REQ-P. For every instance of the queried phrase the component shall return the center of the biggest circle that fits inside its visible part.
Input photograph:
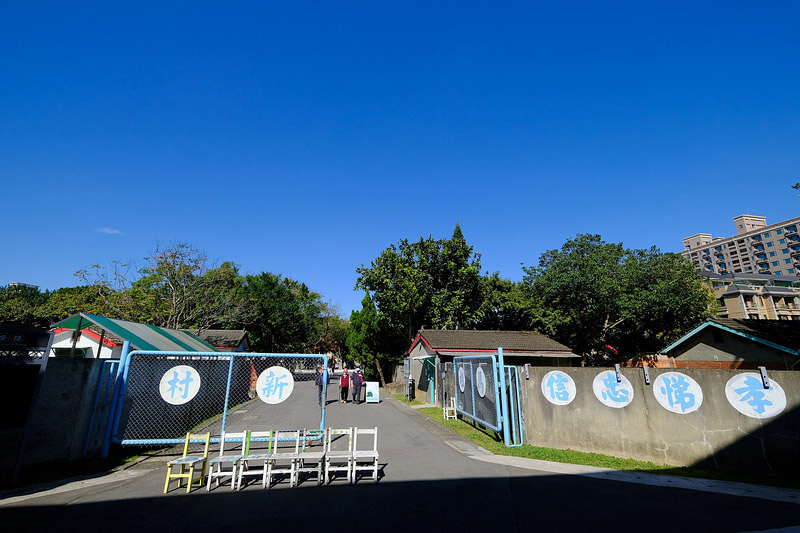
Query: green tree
(332, 332)
(505, 306)
(364, 339)
(602, 300)
(434, 283)
(281, 315)
(22, 307)
(67, 301)
(176, 289)
(457, 292)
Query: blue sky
(304, 138)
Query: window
(782, 241)
(788, 261)
(772, 254)
(774, 263)
(777, 272)
(769, 245)
(790, 271)
(779, 231)
(766, 235)
(785, 251)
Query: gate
(476, 390)
(488, 395)
(160, 396)
(514, 403)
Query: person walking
(358, 379)
(344, 386)
(320, 379)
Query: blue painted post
(111, 423)
(519, 409)
(503, 400)
(472, 389)
(227, 395)
(325, 391)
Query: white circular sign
(611, 392)
(179, 384)
(558, 387)
(746, 393)
(480, 381)
(462, 379)
(274, 385)
(677, 392)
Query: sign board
(372, 392)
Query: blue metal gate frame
(473, 414)
(121, 380)
(508, 413)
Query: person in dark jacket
(320, 379)
(358, 380)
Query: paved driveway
(431, 480)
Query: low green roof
(141, 336)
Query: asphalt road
(431, 480)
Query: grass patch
(402, 398)
(491, 441)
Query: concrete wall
(716, 435)
(60, 420)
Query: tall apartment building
(759, 296)
(755, 249)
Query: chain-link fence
(168, 394)
(476, 389)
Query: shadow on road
(497, 504)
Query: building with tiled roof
(736, 343)
(226, 340)
(99, 337)
(433, 350)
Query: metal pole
(75, 335)
(324, 391)
(503, 399)
(115, 399)
(227, 395)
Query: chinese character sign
(275, 385)
(480, 381)
(678, 393)
(558, 387)
(746, 393)
(179, 385)
(610, 392)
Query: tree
(333, 332)
(22, 307)
(434, 283)
(364, 340)
(67, 301)
(282, 315)
(176, 289)
(601, 299)
(505, 306)
(457, 285)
